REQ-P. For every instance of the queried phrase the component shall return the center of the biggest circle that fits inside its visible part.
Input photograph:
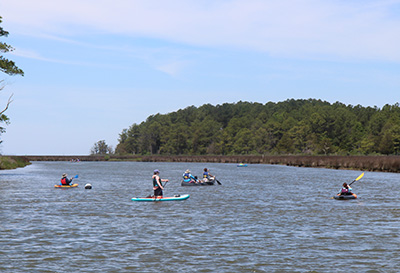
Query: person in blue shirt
(207, 176)
(189, 178)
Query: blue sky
(93, 68)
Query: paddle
(358, 178)
(219, 183)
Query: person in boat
(65, 181)
(346, 190)
(189, 178)
(207, 176)
(157, 185)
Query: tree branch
(8, 104)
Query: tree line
(307, 127)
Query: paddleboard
(152, 199)
(66, 187)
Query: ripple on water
(262, 219)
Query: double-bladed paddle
(358, 178)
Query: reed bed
(365, 163)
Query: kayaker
(207, 176)
(157, 185)
(346, 190)
(65, 181)
(189, 178)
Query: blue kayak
(152, 199)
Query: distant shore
(365, 163)
(13, 162)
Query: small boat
(242, 165)
(345, 196)
(66, 186)
(159, 199)
(201, 183)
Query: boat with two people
(208, 179)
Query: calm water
(263, 218)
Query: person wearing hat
(157, 185)
(189, 178)
(65, 181)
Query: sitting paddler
(189, 178)
(157, 185)
(65, 181)
(207, 176)
(346, 190)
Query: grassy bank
(365, 163)
(13, 162)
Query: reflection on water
(263, 218)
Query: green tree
(8, 67)
(101, 148)
(293, 126)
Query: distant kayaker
(65, 181)
(189, 178)
(346, 190)
(157, 185)
(207, 176)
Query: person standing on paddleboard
(157, 186)
(65, 181)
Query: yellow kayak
(65, 186)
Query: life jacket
(344, 190)
(64, 181)
(186, 176)
(155, 184)
(205, 175)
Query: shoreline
(364, 163)
(13, 162)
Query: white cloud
(302, 28)
(172, 68)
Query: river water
(263, 218)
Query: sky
(95, 67)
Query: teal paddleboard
(152, 199)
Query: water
(264, 218)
